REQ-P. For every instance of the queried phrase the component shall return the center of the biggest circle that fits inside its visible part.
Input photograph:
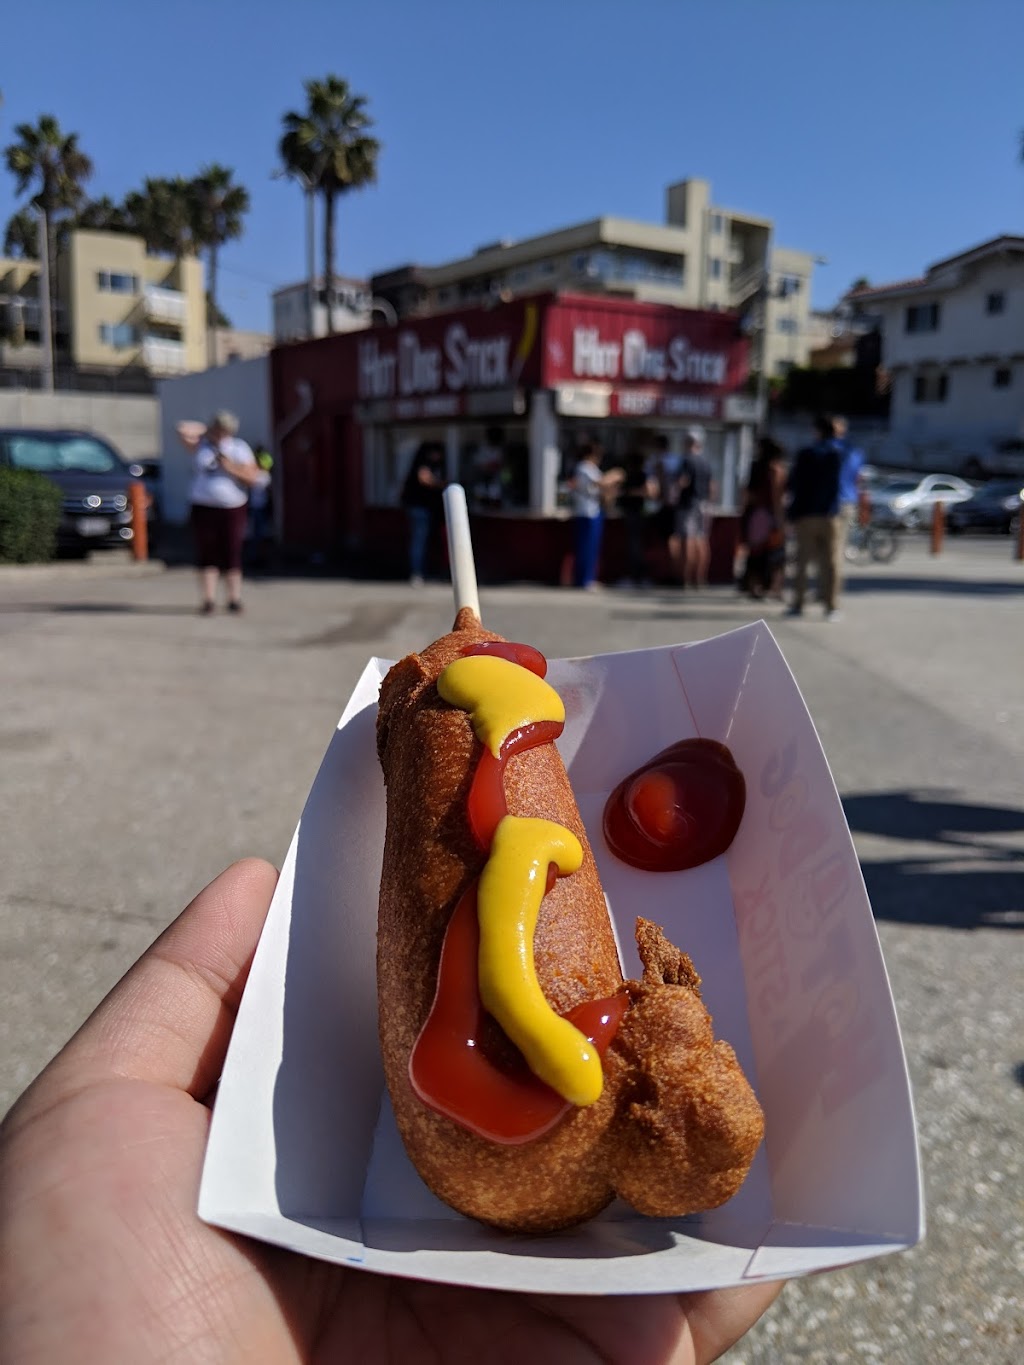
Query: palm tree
(51, 160)
(102, 215)
(328, 149)
(220, 206)
(164, 213)
(21, 238)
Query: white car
(908, 502)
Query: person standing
(814, 486)
(849, 479)
(637, 488)
(693, 511)
(666, 473)
(589, 486)
(260, 509)
(763, 522)
(421, 498)
(223, 471)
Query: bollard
(1020, 534)
(938, 526)
(137, 500)
(863, 508)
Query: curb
(79, 571)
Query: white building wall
(968, 347)
(130, 422)
(243, 388)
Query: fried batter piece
(676, 1126)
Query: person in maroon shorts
(223, 470)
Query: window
(111, 282)
(716, 223)
(119, 334)
(930, 388)
(786, 325)
(995, 303)
(715, 268)
(922, 317)
(60, 454)
(1002, 377)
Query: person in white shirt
(589, 486)
(223, 470)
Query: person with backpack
(817, 517)
(696, 491)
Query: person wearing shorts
(223, 470)
(693, 519)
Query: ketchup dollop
(450, 1069)
(490, 1090)
(681, 809)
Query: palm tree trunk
(329, 257)
(46, 311)
(211, 309)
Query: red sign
(455, 354)
(663, 350)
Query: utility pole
(762, 363)
(45, 321)
(311, 257)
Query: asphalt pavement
(142, 748)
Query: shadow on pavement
(970, 882)
(98, 609)
(938, 587)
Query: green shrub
(30, 507)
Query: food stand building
(509, 390)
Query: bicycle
(872, 541)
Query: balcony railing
(164, 357)
(164, 305)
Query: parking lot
(142, 748)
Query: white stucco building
(953, 345)
(350, 308)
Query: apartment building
(121, 313)
(953, 346)
(703, 256)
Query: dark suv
(90, 474)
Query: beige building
(231, 344)
(703, 256)
(120, 310)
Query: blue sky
(882, 134)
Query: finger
(169, 1019)
(719, 1317)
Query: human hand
(103, 1258)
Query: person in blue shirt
(849, 470)
(815, 511)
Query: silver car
(908, 502)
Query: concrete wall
(129, 422)
(243, 387)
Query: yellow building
(120, 310)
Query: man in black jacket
(815, 513)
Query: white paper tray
(303, 1150)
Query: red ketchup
(450, 1069)
(681, 809)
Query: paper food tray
(303, 1149)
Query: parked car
(909, 502)
(91, 475)
(993, 507)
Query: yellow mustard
(509, 897)
(501, 697)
